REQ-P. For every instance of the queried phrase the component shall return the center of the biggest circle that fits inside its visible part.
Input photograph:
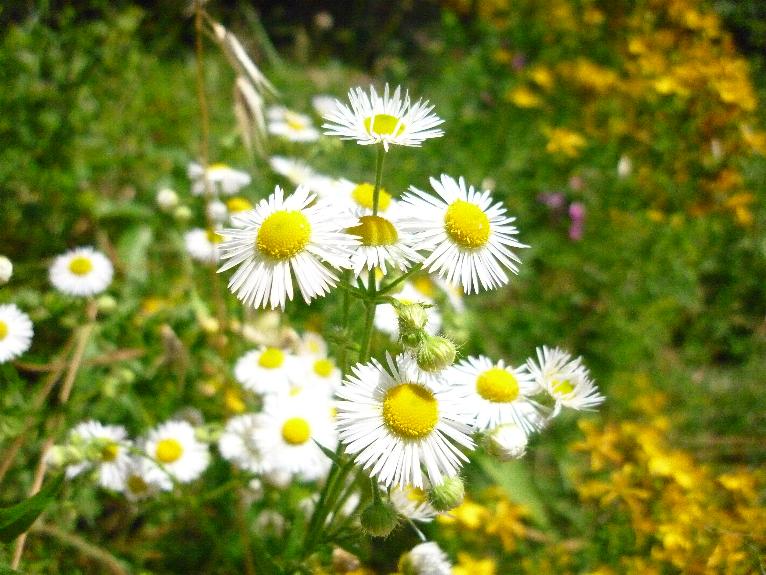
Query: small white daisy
(237, 442)
(265, 371)
(287, 435)
(313, 344)
(323, 104)
(497, 393)
(387, 321)
(81, 272)
(291, 125)
(107, 450)
(412, 503)
(382, 242)
(15, 332)
(425, 559)
(394, 424)
(286, 237)
(296, 171)
(358, 198)
(140, 483)
(202, 245)
(388, 120)
(314, 375)
(565, 378)
(173, 445)
(222, 179)
(507, 441)
(468, 236)
(237, 205)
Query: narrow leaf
(16, 519)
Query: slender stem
(391, 285)
(79, 352)
(343, 347)
(244, 532)
(378, 178)
(109, 561)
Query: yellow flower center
(562, 386)
(271, 358)
(424, 285)
(213, 237)
(3, 330)
(80, 266)
(295, 122)
(416, 494)
(168, 450)
(363, 193)
(323, 367)
(384, 125)
(136, 484)
(296, 431)
(217, 167)
(410, 411)
(283, 234)
(110, 451)
(238, 204)
(497, 385)
(375, 231)
(466, 224)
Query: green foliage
(16, 519)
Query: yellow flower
(468, 515)
(523, 97)
(542, 76)
(566, 142)
(467, 565)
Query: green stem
(378, 178)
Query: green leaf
(329, 453)
(5, 570)
(16, 519)
(515, 479)
(10, 375)
(133, 248)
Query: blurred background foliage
(645, 113)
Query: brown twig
(79, 351)
(105, 359)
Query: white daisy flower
(565, 378)
(81, 272)
(237, 442)
(291, 125)
(412, 503)
(358, 198)
(323, 104)
(285, 237)
(393, 423)
(296, 171)
(314, 375)
(468, 236)
(313, 344)
(287, 435)
(107, 450)
(507, 441)
(222, 179)
(140, 483)
(497, 393)
(237, 205)
(425, 559)
(265, 371)
(388, 120)
(382, 243)
(6, 270)
(387, 321)
(15, 332)
(173, 445)
(202, 245)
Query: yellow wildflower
(468, 565)
(566, 142)
(523, 97)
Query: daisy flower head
(282, 238)
(202, 245)
(15, 332)
(315, 375)
(288, 432)
(237, 442)
(140, 483)
(412, 503)
(358, 198)
(177, 452)
(296, 171)
(236, 205)
(387, 320)
(382, 242)
(265, 371)
(387, 120)
(106, 449)
(425, 559)
(221, 178)
(497, 393)
(81, 272)
(395, 424)
(565, 379)
(313, 344)
(469, 238)
(291, 125)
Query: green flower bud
(379, 519)
(435, 353)
(182, 213)
(412, 321)
(106, 303)
(448, 495)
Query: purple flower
(577, 215)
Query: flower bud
(379, 519)
(106, 303)
(167, 199)
(507, 442)
(435, 353)
(447, 495)
(217, 211)
(182, 213)
(412, 321)
(6, 270)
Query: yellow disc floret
(271, 358)
(80, 266)
(497, 385)
(410, 411)
(296, 431)
(136, 484)
(110, 451)
(384, 125)
(466, 224)
(562, 386)
(3, 330)
(375, 231)
(323, 367)
(168, 450)
(283, 234)
(213, 237)
(363, 195)
(238, 204)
